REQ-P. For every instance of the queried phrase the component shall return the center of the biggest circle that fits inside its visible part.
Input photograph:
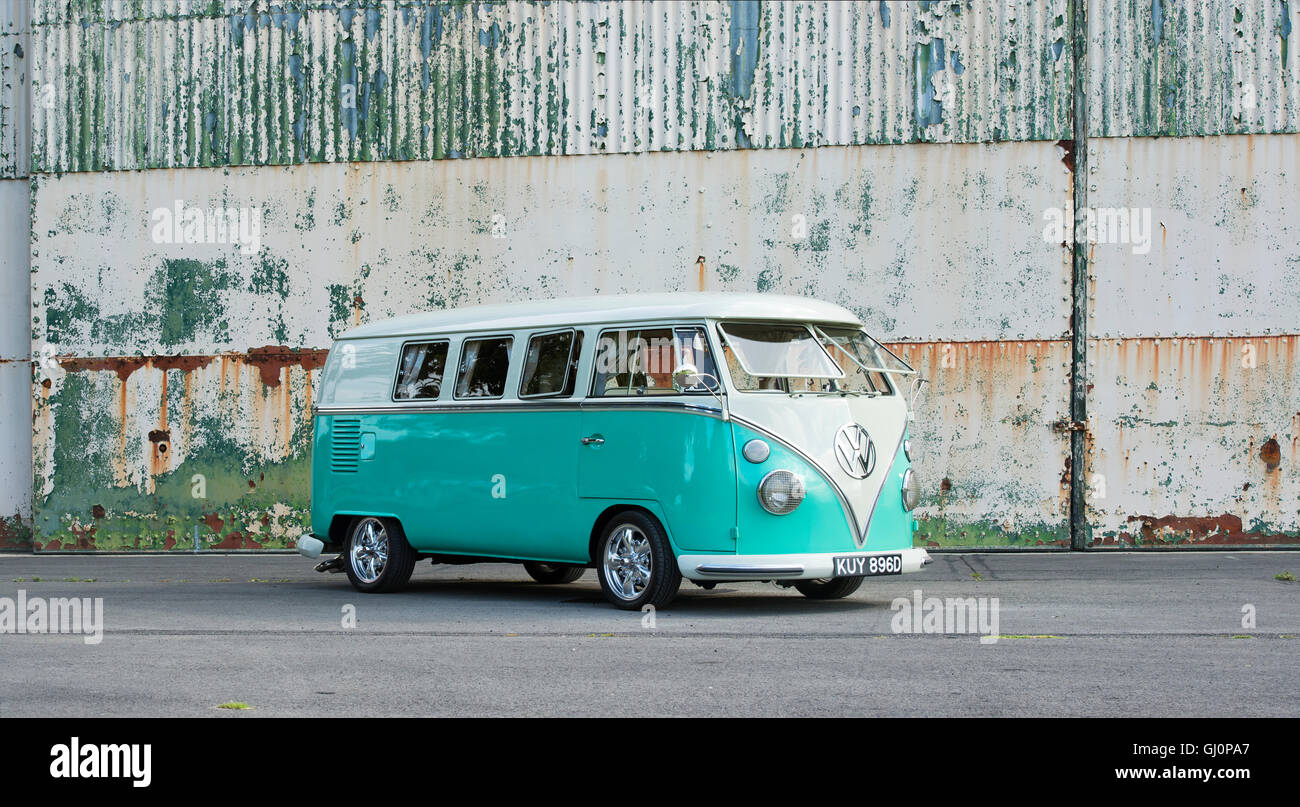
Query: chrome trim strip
(860, 540)
(548, 405)
(635, 402)
(753, 569)
(415, 408)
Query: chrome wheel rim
(628, 562)
(369, 553)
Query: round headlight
(911, 489)
(780, 492)
(756, 450)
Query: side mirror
(685, 377)
(688, 376)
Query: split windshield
(795, 358)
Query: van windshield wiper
(840, 392)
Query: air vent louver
(346, 448)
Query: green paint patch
(192, 300)
(941, 531)
(15, 534)
(1285, 576)
(234, 497)
(1241, 636)
(238, 706)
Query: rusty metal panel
(898, 235)
(182, 84)
(1210, 67)
(15, 101)
(194, 452)
(1194, 445)
(1195, 403)
(995, 472)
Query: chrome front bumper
(808, 566)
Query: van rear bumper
(807, 566)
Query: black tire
(363, 542)
(829, 588)
(553, 573)
(664, 578)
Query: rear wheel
(635, 563)
(377, 557)
(553, 572)
(828, 588)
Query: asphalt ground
(1100, 633)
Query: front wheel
(554, 573)
(636, 565)
(377, 557)
(828, 588)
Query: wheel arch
(341, 526)
(607, 515)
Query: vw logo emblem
(855, 451)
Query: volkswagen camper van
(709, 437)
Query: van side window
(693, 348)
(641, 362)
(572, 383)
(419, 374)
(483, 367)
(550, 365)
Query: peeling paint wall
(992, 465)
(1165, 68)
(1196, 400)
(916, 147)
(159, 339)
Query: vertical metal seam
(1079, 281)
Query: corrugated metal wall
(919, 142)
(171, 84)
(1165, 68)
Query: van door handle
(594, 440)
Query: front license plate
(860, 566)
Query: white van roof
(609, 308)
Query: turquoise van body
(539, 478)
